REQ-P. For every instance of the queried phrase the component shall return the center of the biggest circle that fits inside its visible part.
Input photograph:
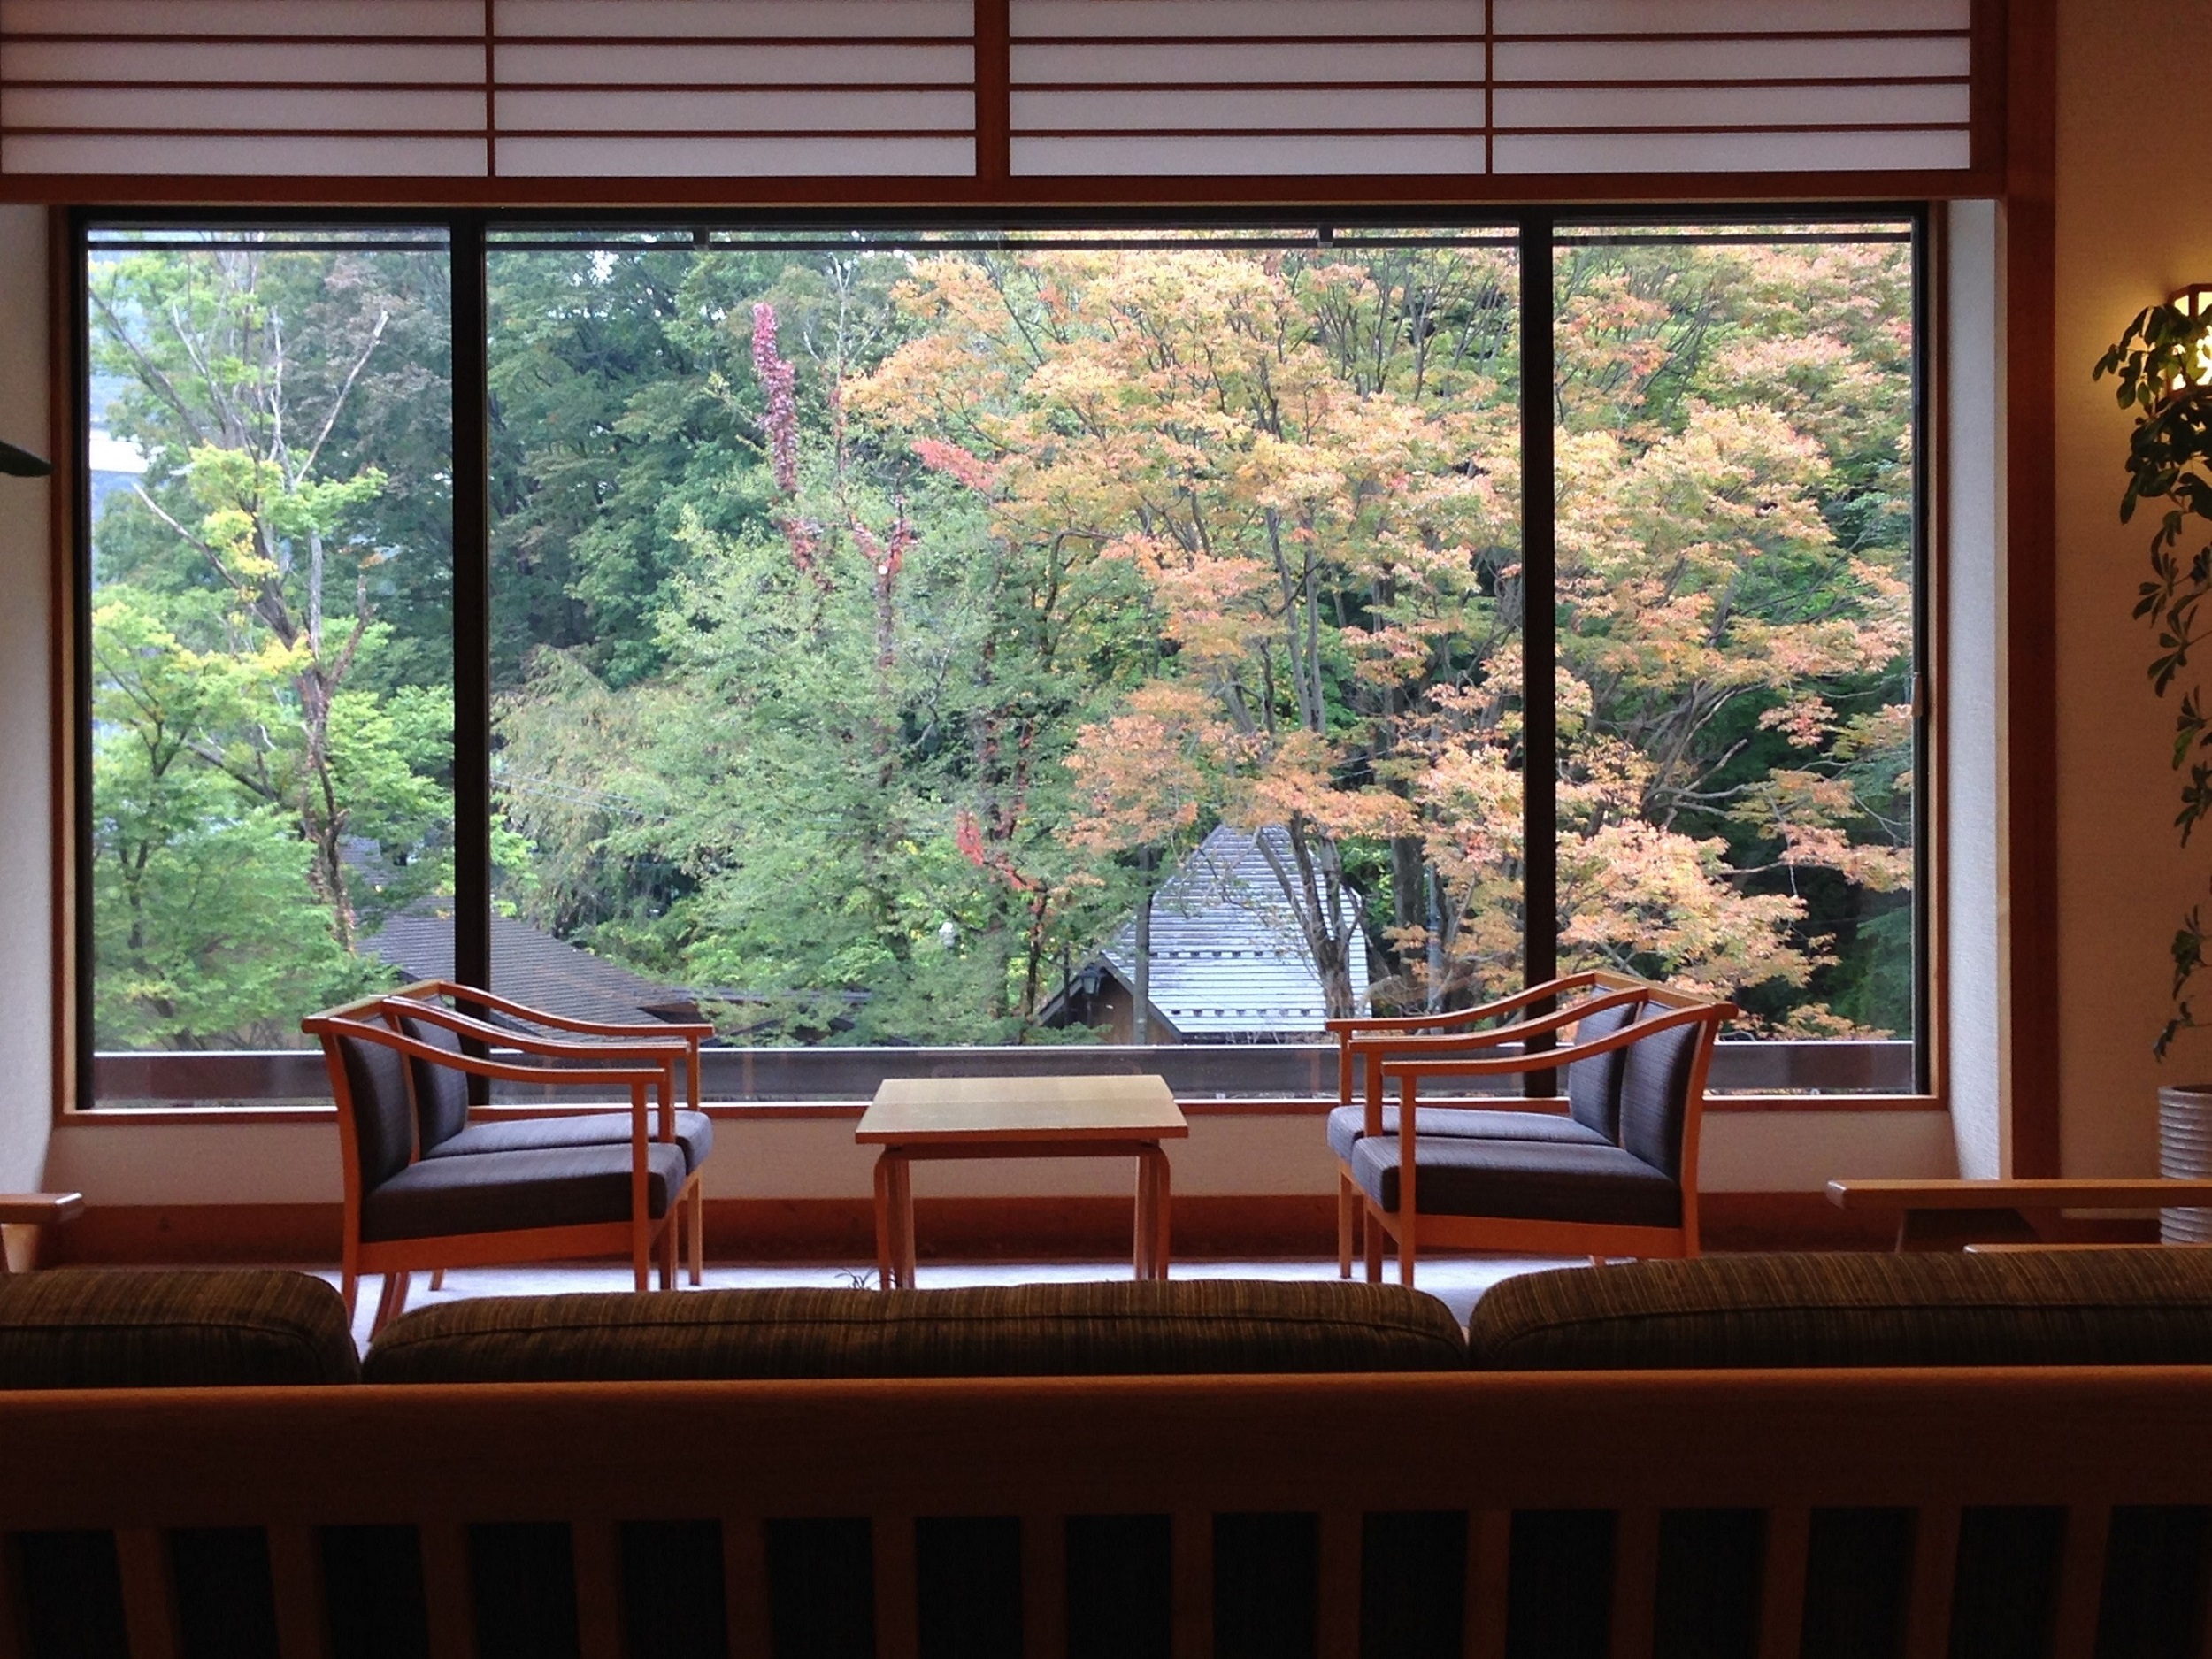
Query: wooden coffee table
(1019, 1118)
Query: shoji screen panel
(746, 88)
(242, 86)
(1246, 86)
(989, 100)
(1730, 86)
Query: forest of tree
(873, 628)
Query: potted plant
(2162, 365)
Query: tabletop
(909, 1109)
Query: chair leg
(669, 1227)
(1406, 1224)
(437, 1279)
(641, 1253)
(1348, 1197)
(350, 1287)
(698, 1231)
(1371, 1228)
(392, 1302)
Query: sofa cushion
(441, 1092)
(695, 1133)
(1523, 1181)
(2147, 1307)
(1347, 1123)
(383, 1125)
(1593, 1086)
(1123, 1327)
(501, 1192)
(1656, 1095)
(87, 1327)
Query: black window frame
(1536, 228)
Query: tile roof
(1228, 957)
(534, 967)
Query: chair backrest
(1657, 1073)
(441, 1092)
(381, 1119)
(1593, 1086)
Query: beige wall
(295, 1164)
(2134, 223)
(25, 799)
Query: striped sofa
(1760, 1455)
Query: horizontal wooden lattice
(1013, 90)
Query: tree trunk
(1141, 1017)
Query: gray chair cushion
(501, 1192)
(88, 1327)
(1121, 1327)
(1593, 1086)
(383, 1126)
(442, 1093)
(1348, 1123)
(2147, 1307)
(695, 1133)
(1654, 1096)
(1523, 1181)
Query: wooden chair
(1634, 1196)
(429, 1011)
(1585, 1116)
(403, 1211)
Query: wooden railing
(2056, 1512)
(1194, 1071)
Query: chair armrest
(643, 1047)
(1491, 1039)
(691, 1030)
(1549, 1059)
(1344, 1028)
(384, 1036)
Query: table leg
(1160, 1207)
(1141, 1251)
(883, 1219)
(903, 1216)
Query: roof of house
(532, 966)
(1228, 957)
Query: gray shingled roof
(534, 967)
(1228, 958)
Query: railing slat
(1193, 1591)
(447, 1600)
(1782, 1582)
(149, 1601)
(897, 1632)
(1635, 1582)
(1935, 1562)
(596, 1553)
(296, 1576)
(1044, 1586)
(745, 1586)
(1338, 1593)
(2080, 1577)
(14, 1642)
(1489, 1559)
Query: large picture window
(1067, 635)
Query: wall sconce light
(2195, 303)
